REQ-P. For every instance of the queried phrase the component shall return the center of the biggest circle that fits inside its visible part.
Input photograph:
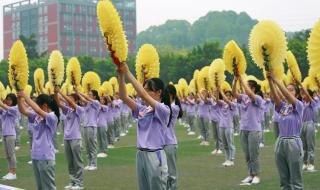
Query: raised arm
(247, 90)
(225, 97)
(22, 106)
(123, 91)
(287, 95)
(32, 104)
(4, 106)
(305, 91)
(234, 88)
(273, 91)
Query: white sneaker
(214, 152)
(236, 134)
(130, 126)
(261, 145)
(229, 163)
(0, 140)
(56, 151)
(102, 155)
(62, 144)
(127, 131)
(68, 186)
(58, 133)
(219, 151)
(191, 133)
(247, 179)
(225, 163)
(310, 168)
(200, 137)
(17, 148)
(30, 162)
(122, 134)
(20, 127)
(111, 146)
(77, 187)
(304, 167)
(188, 129)
(86, 168)
(92, 168)
(9, 176)
(255, 180)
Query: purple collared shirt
(204, 109)
(250, 113)
(9, 119)
(226, 113)
(103, 116)
(91, 114)
(309, 111)
(152, 125)
(170, 136)
(72, 122)
(43, 130)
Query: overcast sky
(292, 15)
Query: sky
(292, 15)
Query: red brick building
(68, 25)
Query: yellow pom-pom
(131, 91)
(56, 68)
(106, 89)
(251, 77)
(114, 84)
(49, 88)
(233, 56)
(147, 63)
(90, 81)
(265, 88)
(313, 48)
(192, 87)
(225, 86)
(267, 44)
(112, 29)
(294, 71)
(310, 83)
(8, 90)
(38, 79)
(28, 90)
(18, 66)
(216, 73)
(196, 77)
(3, 92)
(184, 87)
(74, 71)
(203, 79)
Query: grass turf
(198, 170)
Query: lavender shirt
(152, 124)
(204, 109)
(290, 119)
(72, 129)
(226, 114)
(170, 136)
(214, 114)
(250, 119)
(91, 114)
(102, 118)
(43, 131)
(309, 111)
(9, 119)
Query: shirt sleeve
(79, 111)
(135, 112)
(51, 120)
(299, 107)
(96, 104)
(162, 112)
(13, 111)
(31, 117)
(278, 108)
(259, 102)
(66, 110)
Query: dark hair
(297, 89)
(256, 86)
(111, 98)
(13, 98)
(311, 93)
(173, 92)
(105, 99)
(50, 101)
(155, 84)
(96, 95)
(76, 98)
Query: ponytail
(173, 92)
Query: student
(250, 125)
(92, 108)
(191, 112)
(111, 125)
(45, 118)
(214, 122)
(227, 109)
(204, 104)
(103, 127)
(288, 150)
(72, 137)
(9, 115)
(153, 120)
(171, 143)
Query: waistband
(149, 150)
(292, 137)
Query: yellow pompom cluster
(216, 73)
(112, 29)
(18, 73)
(90, 81)
(251, 77)
(233, 56)
(147, 63)
(114, 84)
(268, 47)
(74, 71)
(38, 79)
(183, 87)
(313, 50)
(225, 86)
(310, 83)
(130, 90)
(293, 73)
(28, 90)
(67, 88)
(3, 92)
(192, 87)
(56, 68)
(196, 77)
(106, 89)
(49, 88)
(265, 88)
(203, 79)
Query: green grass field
(198, 169)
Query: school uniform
(72, 144)
(191, 112)
(152, 168)
(288, 150)
(111, 126)
(42, 154)
(204, 117)
(214, 123)
(102, 129)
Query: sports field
(198, 169)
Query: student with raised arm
(103, 127)
(9, 114)
(204, 115)
(153, 120)
(288, 150)
(92, 108)
(251, 105)
(72, 137)
(44, 118)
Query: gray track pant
(250, 145)
(216, 135)
(191, 121)
(228, 142)
(44, 171)
(204, 128)
(111, 133)
(288, 155)
(152, 170)
(75, 163)
(102, 139)
(9, 144)
(308, 137)
(171, 153)
(90, 138)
